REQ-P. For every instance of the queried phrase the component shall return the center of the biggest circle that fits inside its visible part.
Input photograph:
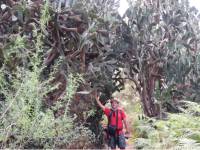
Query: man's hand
(98, 101)
(97, 96)
(127, 134)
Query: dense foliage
(54, 54)
(47, 48)
(179, 131)
(162, 56)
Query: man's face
(114, 104)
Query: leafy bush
(26, 122)
(180, 131)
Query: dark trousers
(118, 140)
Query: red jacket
(121, 117)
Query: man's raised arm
(98, 102)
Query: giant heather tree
(163, 49)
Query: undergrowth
(179, 131)
(26, 122)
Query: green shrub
(180, 131)
(26, 122)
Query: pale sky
(195, 3)
(124, 5)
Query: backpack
(112, 128)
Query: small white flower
(14, 18)
(3, 6)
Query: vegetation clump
(180, 131)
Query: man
(116, 119)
